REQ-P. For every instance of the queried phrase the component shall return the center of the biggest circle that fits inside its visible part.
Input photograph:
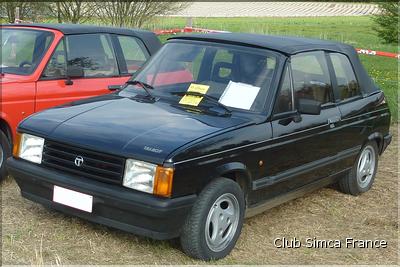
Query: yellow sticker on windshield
(193, 100)
(199, 88)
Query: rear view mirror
(309, 106)
(75, 71)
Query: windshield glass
(237, 77)
(22, 49)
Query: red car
(45, 65)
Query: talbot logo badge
(79, 161)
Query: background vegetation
(388, 21)
(113, 12)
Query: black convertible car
(214, 128)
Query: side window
(94, 53)
(346, 79)
(134, 52)
(311, 78)
(56, 67)
(283, 101)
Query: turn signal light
(17, 145)
(163, 181)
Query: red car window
(134, 52)
(166, 78)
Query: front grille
(96, 165)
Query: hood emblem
(78, 161)
(152, 149)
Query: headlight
(147, 177)
(30, 148)
(139, 175)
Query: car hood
(125, 127)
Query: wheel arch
(378, 138)
(238, 172)
(6, 129)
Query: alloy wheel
(366, 166)
(222, 222)
(1, 156)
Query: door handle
(114, 87)
(333, 120)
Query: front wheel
(215, 222)
(5, 152)
(362, 175)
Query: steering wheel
(25, 62)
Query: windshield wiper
(210, 98)
(145, 87)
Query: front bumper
(113, 205)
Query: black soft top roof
(285, 44)
(288, 45)
(149, 38)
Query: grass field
(356, 31)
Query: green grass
(356, 31)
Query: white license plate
(73, 199)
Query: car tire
(220, 203)
(5, 153)
(362, 175)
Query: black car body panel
(315, 152)
(272, 156)
(95, 125)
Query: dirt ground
(32, 234)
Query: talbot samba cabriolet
(252, 121)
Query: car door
(354, 108)
(304, 147)
(94, 55)
(21, 53)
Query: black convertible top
(149, 38)
(288, 45)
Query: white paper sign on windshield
(239, 95)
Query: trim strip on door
(259, 208)
(285, 175)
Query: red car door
(24, 52)
(93, 60)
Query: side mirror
(309, 106)
(75, 71)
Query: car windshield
(22, 49)
(237, 77)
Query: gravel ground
(32, 234)
(275, 9)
